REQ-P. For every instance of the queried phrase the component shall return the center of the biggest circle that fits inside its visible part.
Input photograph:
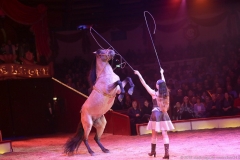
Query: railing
(69, 87)
(200, 123)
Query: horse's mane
(92, 74)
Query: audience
(204, 80)
(176, 111)
(199, 109)
(186, 110)
(74, 73)
(227, 105)
(134, 113)
(213, 107)
(146, 111)
(201, 81)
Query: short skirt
(159, 121)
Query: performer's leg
(100, 124)
(166, 144)
(153, 143)
(87, 126)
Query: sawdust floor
(202, 144)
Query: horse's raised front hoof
(105, 150)
(130, 91)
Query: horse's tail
(74, 142)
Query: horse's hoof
(105, 150)
(92, 153)
(70, 154)
(130, 91)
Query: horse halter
(106, 53)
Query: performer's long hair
(163, 94)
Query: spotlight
(83, 27)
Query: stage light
(177, 1)
(54, 98)
(83, 27)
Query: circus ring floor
(200, 144)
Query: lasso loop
(110, 46)
(95, 38)
(151, 35)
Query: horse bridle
(109, 57)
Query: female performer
(159, 120)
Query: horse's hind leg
(87, 126)
(100, 124)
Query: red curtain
(211, 21)
(34, 16)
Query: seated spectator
(28, 58)
(220, 94)
(176, 111)
(232, 92)
(215, 87)
(199, 109)
(11, 48)
(127, 101)
(199, 90)
(146, 111)
(237, 105)
(227, 105)
(204, 95)
(186, 110)
(193, 100)
(9, 51)
(134, 113)
(190, 94)
(178, 97)
(185, 90)
(213, 107)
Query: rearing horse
(106, 84)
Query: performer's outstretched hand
(137, 72)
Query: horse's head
(105, 54)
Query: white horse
(105, 85)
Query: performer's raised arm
(150, 90)
(162, 76)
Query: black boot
(153, 150)
(166, 156)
